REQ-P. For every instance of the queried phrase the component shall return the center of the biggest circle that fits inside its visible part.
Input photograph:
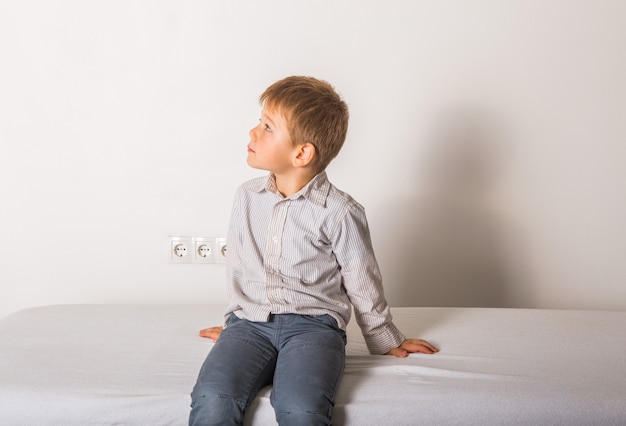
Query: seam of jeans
(317, 345)
(268, 355)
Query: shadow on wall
(450, 236)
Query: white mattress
(136, 365)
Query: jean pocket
(331, 322)
(232, 319)
(328, 320)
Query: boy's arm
(363, 283)
(233, 241)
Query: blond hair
(314, 112)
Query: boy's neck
(290, 183)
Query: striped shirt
(307, 254)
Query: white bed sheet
(136, 365)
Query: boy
(299, 257)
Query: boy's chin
(252, 164)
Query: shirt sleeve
(233, 256)
(363, 282)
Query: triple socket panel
(201, 249)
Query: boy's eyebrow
(267, 117)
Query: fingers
(398, 352)
(211, 333)
(412, 346)
(419, 345)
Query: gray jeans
(301, 356)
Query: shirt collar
(316, 191)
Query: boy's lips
(250, 150)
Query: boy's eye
(266, 126)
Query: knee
(298, 417)
(215, 409)
(300, 409)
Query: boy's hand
(212, 333)
(411, 346)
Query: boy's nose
(252, 132)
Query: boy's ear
(305, 155)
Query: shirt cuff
(381, 343)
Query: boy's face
(271, 147)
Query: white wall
(486, 143)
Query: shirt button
(275, 239)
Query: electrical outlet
(180, 250)
(204, 250)
(199, 249)
(220, 243)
